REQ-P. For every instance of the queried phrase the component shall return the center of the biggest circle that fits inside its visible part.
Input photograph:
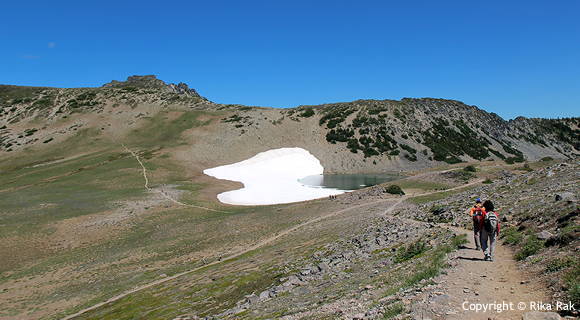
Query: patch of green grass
(529, 248)
(411, 251)
(569, 227)
(572, 280)
(435, 262)
(393, 310)
(161, 132)
(559, 263)
(511, 235)
(437, 195)
(537, 259)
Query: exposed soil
(471, 284)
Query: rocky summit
(150, 81)
(105, 211)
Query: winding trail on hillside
(141, 163)
(166, 195)
(256, 246)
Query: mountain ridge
(406, 135)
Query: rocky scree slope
(539, 213)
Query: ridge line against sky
(515, 58)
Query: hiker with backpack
(489, 230)
(476, 214)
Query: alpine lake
(349, 182)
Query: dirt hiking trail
(471, 283)
(258, 245)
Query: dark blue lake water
(353, 181)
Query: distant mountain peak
(151, 81)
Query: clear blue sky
(509, 57)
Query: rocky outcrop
(150, 81)
(182, 88)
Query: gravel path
(472, 283)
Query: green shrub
(395, 189)
(340, 135)
(353, 145)
(470, 168)
(511, 235)
(530, 247)
(234, 118)
(408, 149)
(42, 103)
(547, 159)
(559, 263)
(512, 160)
(129, 89)
(488, 181)
(309, 112)
(457, 242)
(537, 259)
(572, 280)
(452, 160)
(413, 250)
(393, 310)
(497, 154)
(29, 132)
(370, 152)
(410, 157)
(447, 144)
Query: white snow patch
(271, 177)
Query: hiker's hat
(478, 200)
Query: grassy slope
(64, 219)
(73, 240)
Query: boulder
(264, 295)
(292, 281)
(323, 266)
(565, 196)
(253, 298)
(563, 239)
(544, 235)
(564, 219)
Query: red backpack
(478, 215)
